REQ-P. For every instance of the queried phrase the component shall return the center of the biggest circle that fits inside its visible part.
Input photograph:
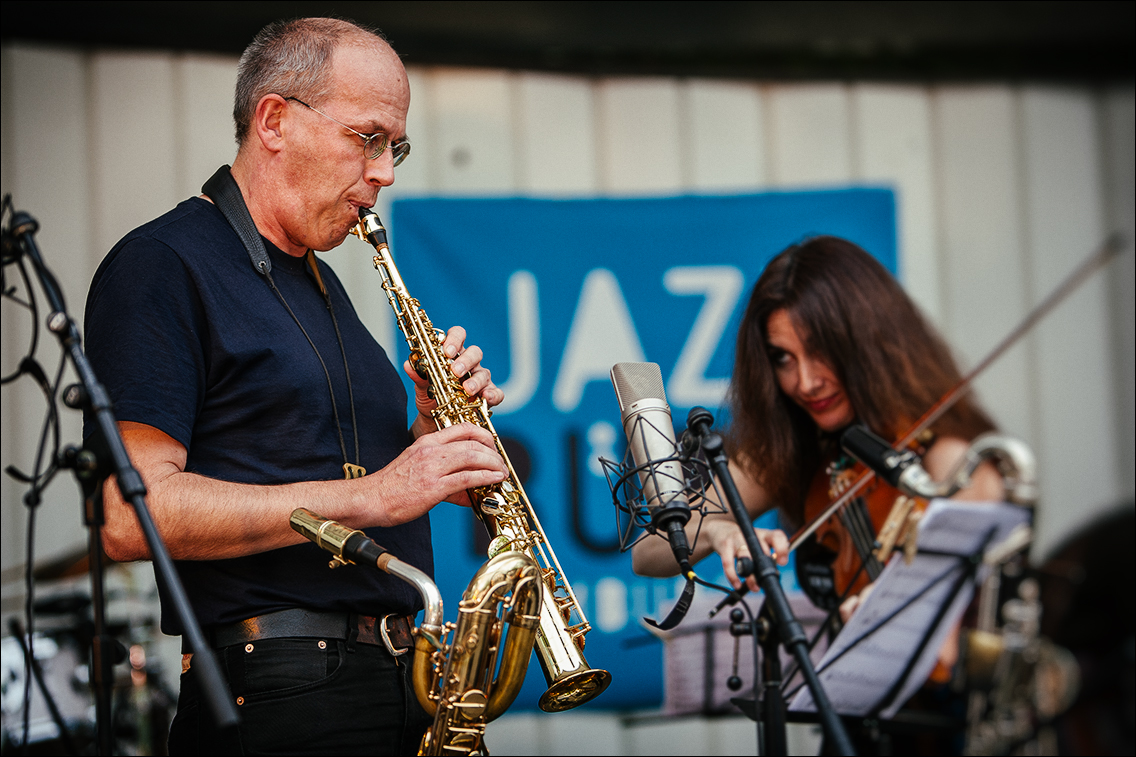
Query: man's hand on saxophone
(439, 467)
(466, 360)
(478, 471)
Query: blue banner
(555, 292)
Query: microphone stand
(776, 611)
(105, 453)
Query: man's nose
(379, 172)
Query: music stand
(890, 645)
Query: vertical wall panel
(985, 275)
(556, 144)
(134, 123)
(1118, 121)
(1064, 222)
(205, 87)
(892, 127)
(724, 136)
(474, 131)
(639, 136)
(47, 173)
(556, 135)
(808, 135)
(419, 172)
(7, 118)
(14, 336)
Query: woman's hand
(850, 605)
(726, 539)
(467, 360)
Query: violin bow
(1103, 254)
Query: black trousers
(295, 696)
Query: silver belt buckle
(386, 638)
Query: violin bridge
(894, 529)
(910, 536)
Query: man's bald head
(294, 59)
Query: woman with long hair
(828, 339)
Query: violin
(844, 554)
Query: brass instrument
(454, 680)
(462, 693)
(504, 508)
(1018, 680)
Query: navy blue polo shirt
(188, 338)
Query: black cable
(32, 500)
(347, 373)
(40, 476)
(33, 306)
(330, 389)
(710, 585)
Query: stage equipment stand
(105, 453)
(782, 627)
(768, 709)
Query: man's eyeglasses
(373, 144)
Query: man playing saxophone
(246, 386)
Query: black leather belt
(391, 631)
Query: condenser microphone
(650, 437)
(902, 470)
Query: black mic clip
(699, 422)
(744, 567)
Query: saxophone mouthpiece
(370, 228)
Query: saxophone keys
(472, 704)
(491, 506)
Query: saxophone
(504, 508)
(453, 678)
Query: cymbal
(73, 563)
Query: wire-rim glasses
(373, 144)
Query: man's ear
(268, 121)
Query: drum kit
(52, 711)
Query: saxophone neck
(432, 620)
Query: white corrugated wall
(1001, 191)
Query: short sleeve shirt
(188, 338)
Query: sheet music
(698, 656)
(871, 653)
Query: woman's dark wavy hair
(850, 312)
